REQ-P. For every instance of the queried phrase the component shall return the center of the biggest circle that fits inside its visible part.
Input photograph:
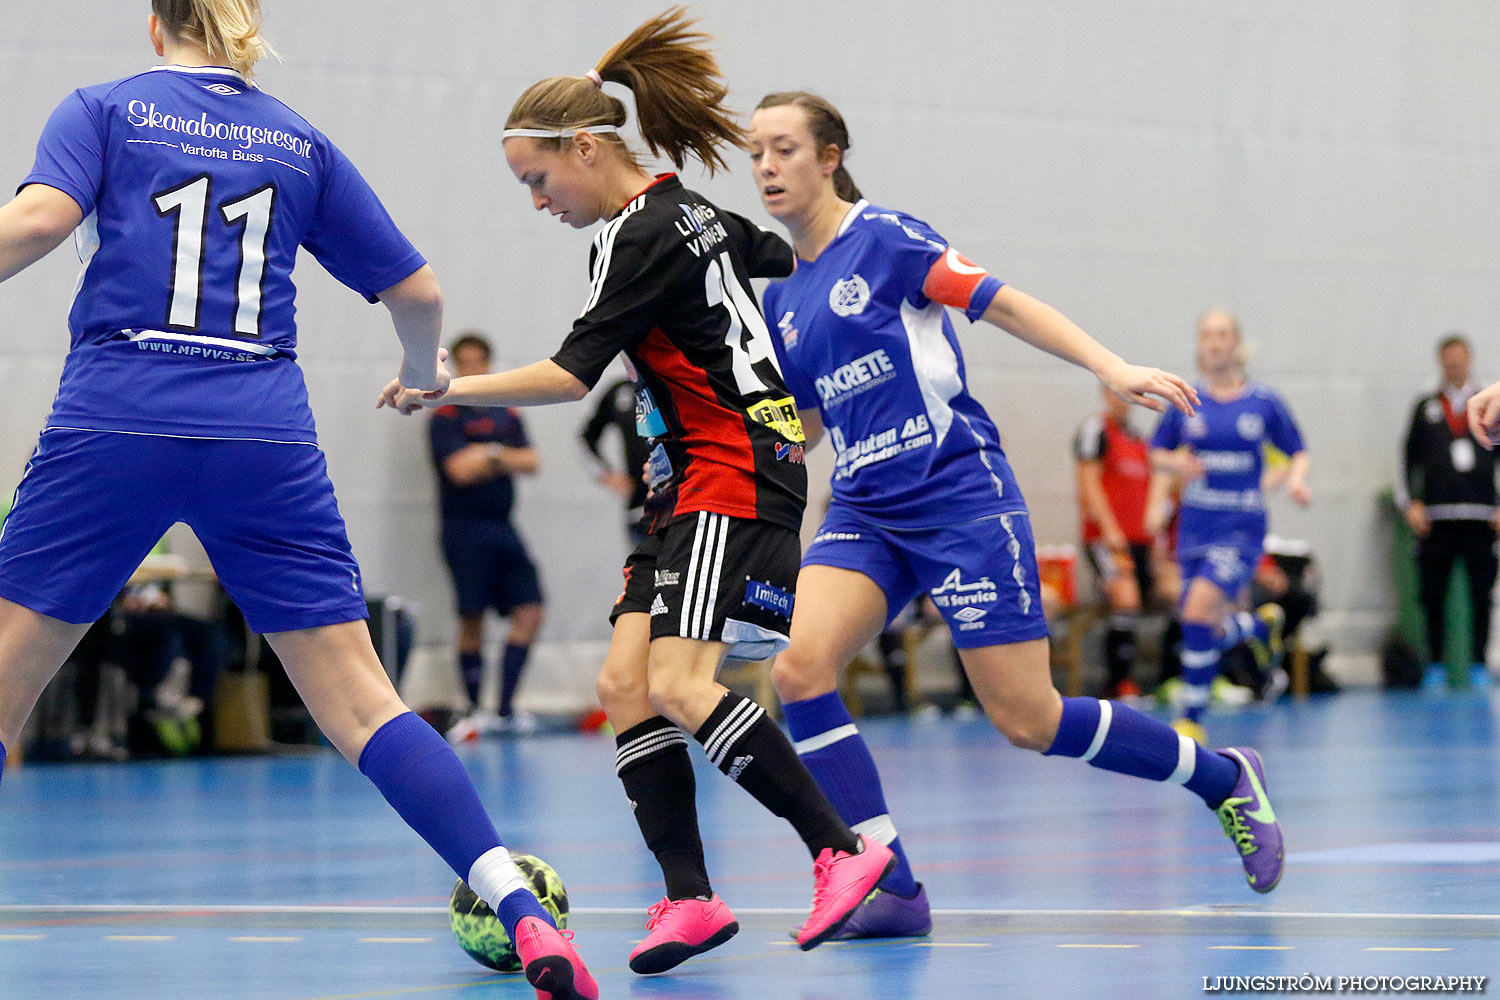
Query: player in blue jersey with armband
(189, 191)
(924, 500)
(1217, 456)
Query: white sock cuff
(1106, 716)
(1187, 760)
(493, 876)
(879, 828)
(826, 739)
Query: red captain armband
(954, 280)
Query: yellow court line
(425, 940)
(1117, 947)
(1408, 949)
(1249, 947)
(23, 937)
(266, 940)
(140, 937)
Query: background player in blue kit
(478, 451)
(924, 500)
(1217, 455)
(670, 289)
(190, 191)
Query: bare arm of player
(812, 426)
(534, 385)
(1484, 415)
(32, 224)
(416, 306)
(1043, 327)
(1158, 495)
(1296, 479)
(483, 461)
(1096, 504)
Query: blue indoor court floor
(290, 878)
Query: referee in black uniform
(1447, 491)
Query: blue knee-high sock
(830, 745)
(1200, 664)
(471, 669)
(1115, 737)
(512, 664)
(423, 780)
(2, 760)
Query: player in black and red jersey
(671, 290)
(1114, 481)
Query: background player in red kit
(671, 289)
(1114, 481)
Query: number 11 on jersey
(188, 204)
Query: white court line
(23, 937)
(1492, 919)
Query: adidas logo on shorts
(658, 606)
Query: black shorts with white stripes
(717, 578)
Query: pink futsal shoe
(680, 929)
(841, 881)
(551, 962)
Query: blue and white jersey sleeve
(353, 236)
(1169, 432)
(70, 153)
(1281, 428)
(930, 269)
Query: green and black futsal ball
(480, 932)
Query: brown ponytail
(228, 29)
(827, 128)
(678, 89)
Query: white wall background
(1328, 170)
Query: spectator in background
(1447, 492)
(616, 409)
(1114, 482)
(478, 450)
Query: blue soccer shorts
(489, 565)
(92, 504)
(982, 575)
(1227, 561)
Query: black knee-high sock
(653, 765)
(1119, 647)
(746, 745)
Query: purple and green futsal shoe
(1250, 822)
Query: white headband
(547, 133)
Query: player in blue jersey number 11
(191, 191)
(924, 499)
